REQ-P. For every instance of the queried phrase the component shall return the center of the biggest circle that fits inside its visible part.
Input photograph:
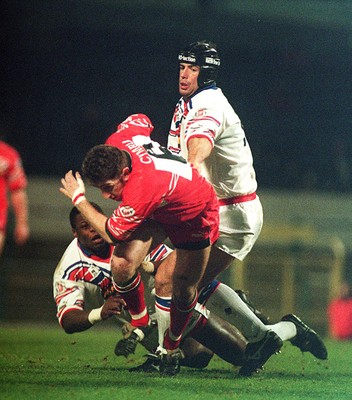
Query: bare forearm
(76, 321)
(80, 320)
(198, 150)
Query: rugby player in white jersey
(206, 131)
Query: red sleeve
(132, 211)
(17, 178)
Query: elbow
(68, 326)
(69, 329)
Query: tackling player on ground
(85, 295)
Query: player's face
(188, 76)
(87, 236)
(112, 189)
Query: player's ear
(125, 173)
(74, 232)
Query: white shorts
(240, 226)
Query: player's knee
(163, 284)
(122, 269)
(184, 289)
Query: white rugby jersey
(208, 114)
(82, 279)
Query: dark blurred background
(74, 69)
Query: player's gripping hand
(73, 187)
(113, 306)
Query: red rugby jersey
(161, 186)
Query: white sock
(226, 303)
(286, 330)
(162, 312)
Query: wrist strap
(78, 196)
(95, 315)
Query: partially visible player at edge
(13, 181)
(207, 132)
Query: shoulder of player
(208, 93)
(7, 148)
(9, 153)
(208, 99)
(74, 259)
(70, 255)
(73, 255)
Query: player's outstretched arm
(80, 320)
(76, 321)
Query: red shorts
(197, 233)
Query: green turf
(42, 362)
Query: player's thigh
(189, 269)
(197, 355)
(223, 339)
(218, 262)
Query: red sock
(179, 319)
(133, 294)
